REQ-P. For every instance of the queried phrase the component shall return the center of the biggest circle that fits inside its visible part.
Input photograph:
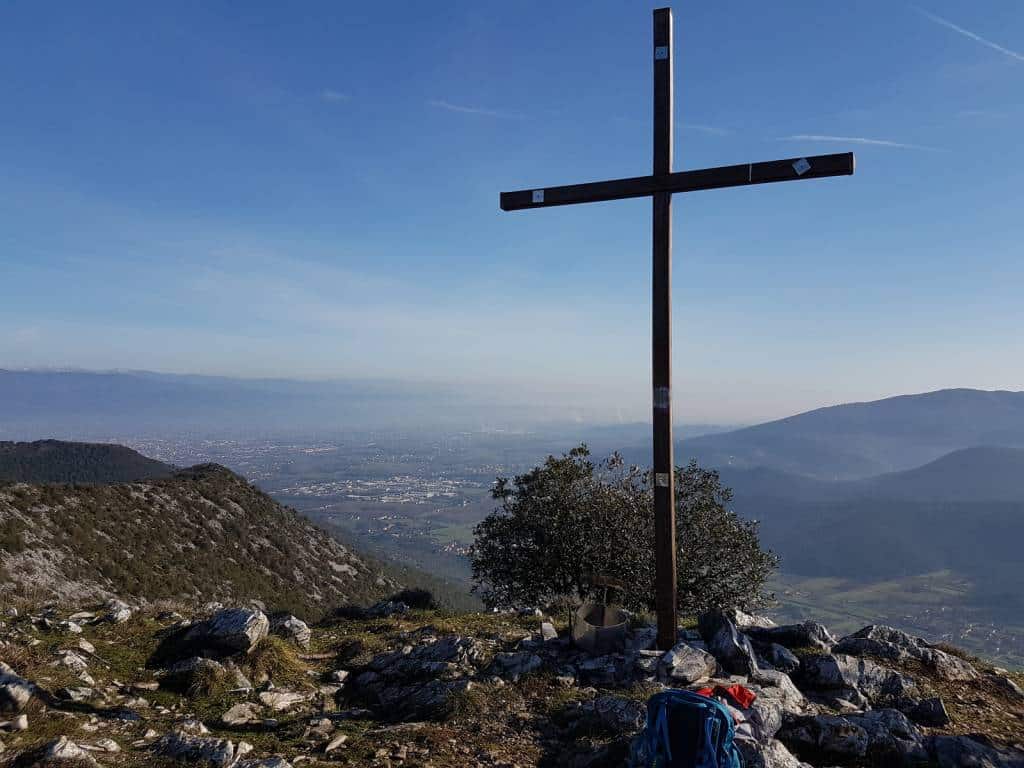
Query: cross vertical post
(661, 339)
(660, 186)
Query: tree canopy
(567, 527)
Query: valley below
(849, 553)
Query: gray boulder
(282, 701)
(809, 634)
(291, 628)
(780, 657)
(227, 632)
(609, 670)
(771, 755)
(117, 611)
(418, 682)
(727, 644)
(745, 620)
(931, 712)
(896, 645)
(548, 631)
(969, 752)
(777, 686)
(614, 714)
(685, 665)
(1001, 681)
(242, 714)
(512, 666)
(181, 745)
(65, 750)
(879, 737)
(850, 678)
(427, 700)
(15, 691)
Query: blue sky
(312, 191)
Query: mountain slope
(981, 473)
(858, 440)
(56, 461)
(962, 514)
(202, 534)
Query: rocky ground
(113, 686)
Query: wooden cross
(660, 186)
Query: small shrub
(418, 599)
(275, 659)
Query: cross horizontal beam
(817, 167)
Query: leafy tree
(565, 527)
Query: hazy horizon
(419, 403)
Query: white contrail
(972, 35)
(858, 140)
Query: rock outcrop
(482, 690)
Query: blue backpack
(685, 730)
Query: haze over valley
(909, 509)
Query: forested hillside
(56, 461)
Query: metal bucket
(599, 629)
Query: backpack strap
(661, 729)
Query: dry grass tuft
(277, 660)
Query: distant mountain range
(858, 440)
(962, 514)
(56, 461)
(89, 404)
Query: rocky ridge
(237, 687)
(203, 534)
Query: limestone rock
(878, 737)
(772, 684)
(615, 714)
(780, 657)
(727, 644)
(847, 677)
(930, 711)
(108, 745)
(686, 665)
(19, 723)
(428, 700)
(245, 713)
(809, 634)
(512, 666)
(225, 633)
(335, 742)
(1006, 684)
(771, 755)
(419, 682)
(266, 762)
(896, 645)
(200, 749)
(73, 660)
(65, 750)
(291, 628)
(745, 620)
(117, 611)
(15, 691)
(548, 631)
(281, 701)
(968, 752)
